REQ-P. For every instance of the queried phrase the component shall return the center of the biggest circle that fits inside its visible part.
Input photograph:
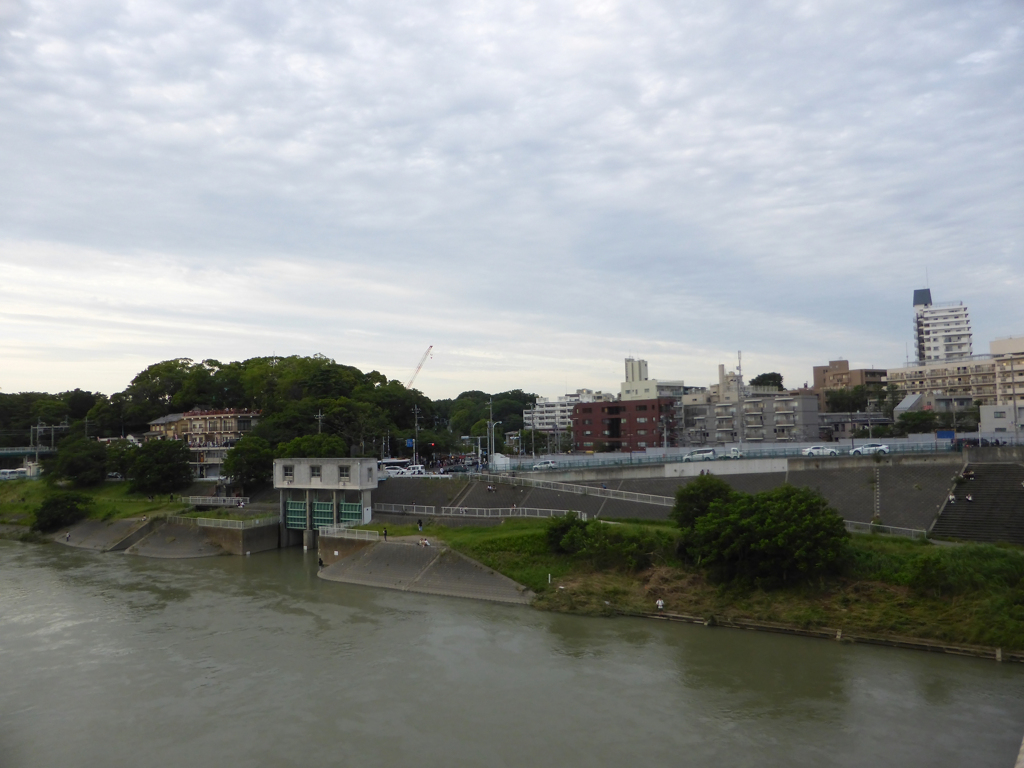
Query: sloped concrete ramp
(174, 541)
(101, 535)
(429, 570)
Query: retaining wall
(331, 549)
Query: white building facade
(555, 414)
(941, 331)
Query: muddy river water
(114, 660)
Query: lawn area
(969, 594)
(20, 498)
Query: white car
(703, 454)
(819, 450)
(414, 469)
(869, 449)
(545, 465)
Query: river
(112, 660)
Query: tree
(773, 538)
(83, 462)
(916, 422)
(767, 380)
(250, 462)
(313, 447)
(847, 400)
(694, 499)
(59, 510)
(161, 466)
(121, 456)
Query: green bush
(608, 546)
(778, 537)
(59, 510)
(694, 499)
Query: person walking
(420, 524)
(385, 533)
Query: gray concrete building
(315, 493)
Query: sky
(538, 190)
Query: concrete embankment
(105, 535)
(411, 568)
(173, 541)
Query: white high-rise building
(941, 331)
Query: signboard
(409, 442)
(945, 434)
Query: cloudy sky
(536, 189)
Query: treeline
(297, 396)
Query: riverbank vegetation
(20, 501)
(965, 594)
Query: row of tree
(297, 397)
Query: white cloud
(537, 189)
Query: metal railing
(579, 490)
(404, 509)
(26, 450)
(571, 461)
(884, 530)
(507, 512)
(211, 522)
(344, 532)
(218, 501)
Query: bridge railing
(885, 530)
(212, 522)
(579, 490)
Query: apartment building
(210, 434)
(767, 417)
(838, 375)
(555, 414)
(169, 427)
(1008, 359)
(947, 385)
(632, 425)
(941, 331)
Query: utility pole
(739, 394)
(490, 431)
(416, 438)
(319, 421)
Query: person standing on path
(420, 524)
(660, 604)
(385, 533)
(68, 537)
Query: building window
(586, 410)
(642, 445)
(289, 472)
(314, 472)
(586, 432)
(999, 414)
(641, 420)
(587, 421)
(344, 472)
(641, 431)
(587, 445)
(641, 407)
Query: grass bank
(971, 594)
(19, 500)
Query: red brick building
(627, 425)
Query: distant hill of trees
(365, 409)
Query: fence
(344, 532)
(572, 461)
(579, 490)
(404, 509)
(885, 530)
(218, 501)
(507, 512)
(210, 522)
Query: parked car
(819, 450)
(702, 454)
(414, 469)
(733, 453)
(869, 449)
(545, 465)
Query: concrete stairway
(997, 512)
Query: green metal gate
(350, 513)
(295, 515)
(323, 513)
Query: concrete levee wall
(450, 521)
(995, 454)
(331, 550)
(238, 541)
(798, 464)
(422, 491)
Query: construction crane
(418, 367)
